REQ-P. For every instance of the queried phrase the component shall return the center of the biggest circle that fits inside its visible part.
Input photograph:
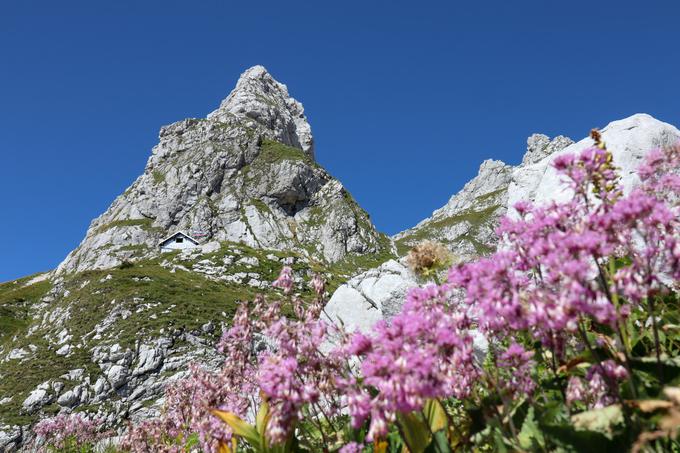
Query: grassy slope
(148, 298)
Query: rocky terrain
(117, 320)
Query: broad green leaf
(500, 442)
(435, 415)
(439, 444)
(580, 441)
(240, 428)
(530, 436)
(262, 417)
(415, 432)
(599, 420)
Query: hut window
(179, 240)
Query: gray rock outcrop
(369, 297)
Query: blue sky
(405, 98)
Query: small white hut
(177, 241)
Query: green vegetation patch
(431, 231)
(145, 224)
(272, 151)
(158, 176)
(16, 299)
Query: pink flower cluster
(600, 387)
(560, 270)
(516, 365)
(68, 430)
(188, 403)
(285, 280)
(424, 352)
(295, 373)
(551, 273)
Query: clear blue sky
(405, 98)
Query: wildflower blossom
(424, 352)
(352, 447)
(427, 256)
(284, 280)
(318, 285)
(576, 391)
(517, 365)
(66, 430)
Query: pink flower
(65, 431)
(285, 280)
(352, 447)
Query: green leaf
(192, 441)
(439, 444)
(599, 420)
(240, 428)
(500, 442)
(435, 415)
(262, 417)
(580, 441)
(670, 367)
(530, 436)
(415, 432)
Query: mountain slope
(466, 223)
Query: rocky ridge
(118, 320)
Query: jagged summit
(260, 97)
(246, 174)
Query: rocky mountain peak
(467, 222)
(259, 97)
(245, 174)
(539, 146)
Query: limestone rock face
(629, 140)
(467, 222)
(540, 146)
(369, 297)
(246, 173)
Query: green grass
(196, 301)
(474, 218)
(272, 151)
(158, 176)
(180, 301)
(260, 205)
(145, 224)
(15, 302)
